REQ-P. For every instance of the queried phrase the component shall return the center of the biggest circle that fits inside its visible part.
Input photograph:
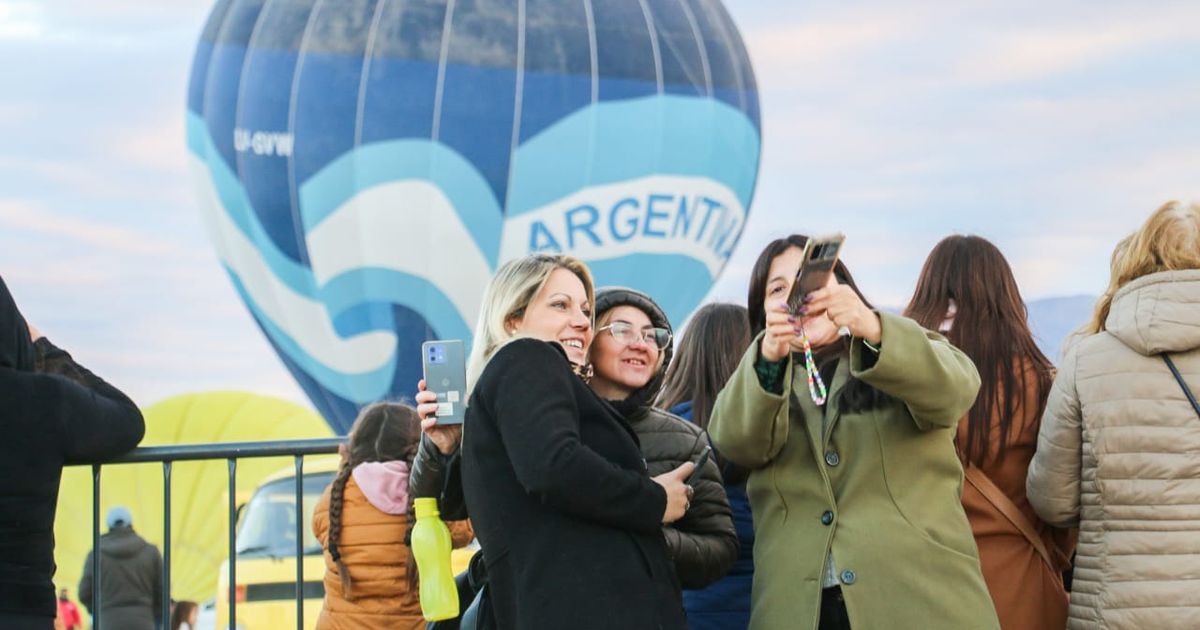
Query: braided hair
(383, 432)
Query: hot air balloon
(364, 166)
(198, 489)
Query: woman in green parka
(856, 495)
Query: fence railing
(231, 452)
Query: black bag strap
(1179, 377)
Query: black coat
(130, 581)
(52, 412)
(569, 520)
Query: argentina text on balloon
(690, 216)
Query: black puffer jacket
(52, 412)
(704, 543)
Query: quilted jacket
(1119, 454)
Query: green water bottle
(431, 547)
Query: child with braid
(364, 520)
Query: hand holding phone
(816, 266)
(446, 375)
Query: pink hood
(385, 484)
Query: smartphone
(700, 462)
(446, 375)
(820, 256)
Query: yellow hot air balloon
(198, 489)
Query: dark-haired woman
(855, 483)
(184, 615)
(716, 337)
(967, 291)
(362, 521)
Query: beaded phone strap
(816, 385)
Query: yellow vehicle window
(268, 523)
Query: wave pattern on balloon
(363, 167)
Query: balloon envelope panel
(365, 166)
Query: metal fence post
(232, 542)
(95, 547)
(299, 542)
(166, 569)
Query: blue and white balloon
(364, 166)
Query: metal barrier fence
(231, 452)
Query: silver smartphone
(446, 375)
(820, 257)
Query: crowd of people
(859, 468)
(941, 480)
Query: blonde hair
(509, 293)
(1168, 241)
(606, 318)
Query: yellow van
(266, 553)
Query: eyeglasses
(624, 332)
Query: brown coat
(373, 549)
(1028, 594)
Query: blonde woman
(1117, 447)
(568, 518)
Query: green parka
(880, 488)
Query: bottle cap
(426, 507)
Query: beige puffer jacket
(1119, 454)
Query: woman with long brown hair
(1118, 442)
(855, 488)
(967, 292)
(716, 337)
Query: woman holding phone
(569, 520)
(855, 482)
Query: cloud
(21, 21)
(38, 222)
(788, 54)
(157, 145)
(122, 24)
(1022, 53)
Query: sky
(1052, 129)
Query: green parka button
(848, 577)
(827, 518)
(832, 458)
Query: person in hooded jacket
(629, 356)
(1117, 446)
(54, 413)
(364, 520)
(130, 577)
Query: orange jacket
(373, 550)
(1028, 595)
